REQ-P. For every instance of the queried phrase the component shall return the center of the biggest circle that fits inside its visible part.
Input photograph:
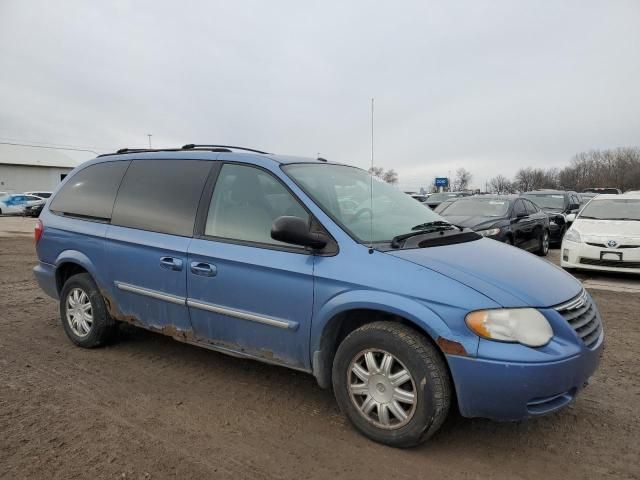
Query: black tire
(430, 379)
(543, 248)
(103, 327)
(508, 241)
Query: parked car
(509, 219)
(16, 203)
(40, 193)
(437, 198)
(557, 204)
(605, 235)
(419, 197)
(443, 205)
(251, 254)
(585, 197)
(610, 191)
(33, 210)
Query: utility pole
(149, 135)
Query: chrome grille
(582, 315)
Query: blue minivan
(318, 267)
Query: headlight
(523, 325)
(489, 233)
(572, 236)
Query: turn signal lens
(522, 325)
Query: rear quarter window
(91, 192)
(161, 195)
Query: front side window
(519, 208)
(612, 209)
(368, 215)
(245, 202)
(531, 207)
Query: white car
(605, 236)
(16, 203)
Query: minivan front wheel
(83, 312)
(392, 383)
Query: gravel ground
(150, 407)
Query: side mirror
(295, 230)
(521, 215)
(571, 217)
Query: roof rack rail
(191, 146)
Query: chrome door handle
(204, 269)
(171, 263)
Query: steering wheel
(359, 213)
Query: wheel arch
(334, 324)
(69, 263)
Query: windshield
(610, 209)
(553, 201)
(344, 193)
(478, 207)
(441, 197)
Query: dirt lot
(150, 407)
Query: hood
(474, 222)
(509, 276)
(609, 230)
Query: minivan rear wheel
(83, 312)
(392, 383)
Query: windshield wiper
(429, 227)
(630, 219)
(435, 223)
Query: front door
(523, 226)
(247, 292)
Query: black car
(437, 198)
(33, 210)
(509, 219)
(557, 204)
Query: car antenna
(371, 187)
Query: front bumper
(574, 255)
(508, 391)
(556, 232)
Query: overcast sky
(486, 85)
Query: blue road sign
(442, 182)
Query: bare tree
(390, 176)
(501, 184)
(463, 179)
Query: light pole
(149, 135)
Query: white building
(24, 169)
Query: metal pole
(149, 135)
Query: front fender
(412, 310)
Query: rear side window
(91, 192)
(161, 195)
